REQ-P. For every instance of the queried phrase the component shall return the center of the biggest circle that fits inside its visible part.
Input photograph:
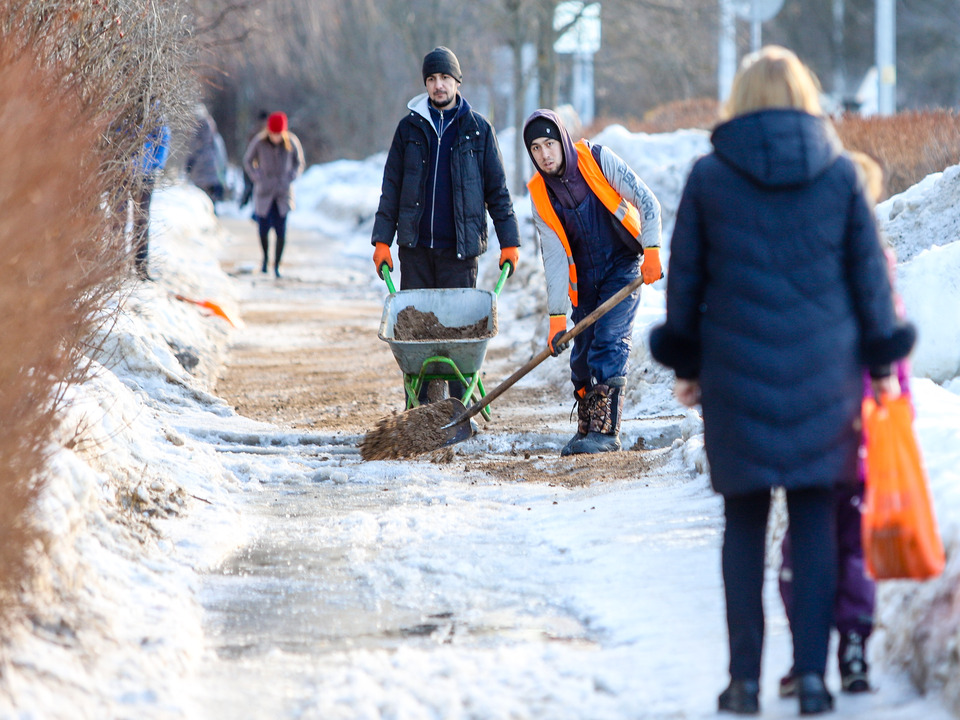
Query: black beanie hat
(540, 127)
(442, 60)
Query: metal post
(839, 62)
(727, 47)
(886, 26)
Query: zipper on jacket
(436, 168)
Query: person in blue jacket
(146, 166)
(777, 297)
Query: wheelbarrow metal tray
(454, 307)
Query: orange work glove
(650, 269)
(381, 256)
(558, 326)
(509, 255)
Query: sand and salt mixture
(413, 432)
(413, 324)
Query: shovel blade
(458, 427)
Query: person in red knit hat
(273, 160)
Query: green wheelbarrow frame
(457, 360)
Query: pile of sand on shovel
(410, 433)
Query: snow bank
(923, 224)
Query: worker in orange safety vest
(599, 228)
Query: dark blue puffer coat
(777, 296)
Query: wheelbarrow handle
(589, 320)
(505, 272)
(385, 274)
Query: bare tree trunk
(546, 57)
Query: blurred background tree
(344, 69)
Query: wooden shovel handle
(589, 320)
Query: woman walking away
(274, 159)
(777, 296)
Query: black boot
(853, 663)
(742, 697)
(814, 696)
(605, 405)
(583, 419)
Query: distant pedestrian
(206, 163)
(443, 174)
(140, 178)
(274, 159)
(777, 297)
(258, 126)
(596, 220)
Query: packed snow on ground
(138, 502)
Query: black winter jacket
(777, 296)
(480, 184)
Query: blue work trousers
(602, 351)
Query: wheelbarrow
(427, 360)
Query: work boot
(605, 407)
(742, 697)
(814, 696)
(583, 419)
(853, 663)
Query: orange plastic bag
(900, 536)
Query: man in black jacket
(444, 172)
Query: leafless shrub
(78, 81)
(699, 113)
(908, 145)
(54, 276)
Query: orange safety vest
(620, 208)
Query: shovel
(459, 427)
(448, 422)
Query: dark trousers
(278, 222)
(424, 268)
(602, 351)
(813, 534)
(855, 602)
(141, 225)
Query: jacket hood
(569, 151)
(421, 105)
(778, 147)
(570, 187)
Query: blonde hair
(772, 77)
(871, 174)
(284, 138)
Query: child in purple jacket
(854, 605)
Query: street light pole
(727, 50)
(886, 40)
